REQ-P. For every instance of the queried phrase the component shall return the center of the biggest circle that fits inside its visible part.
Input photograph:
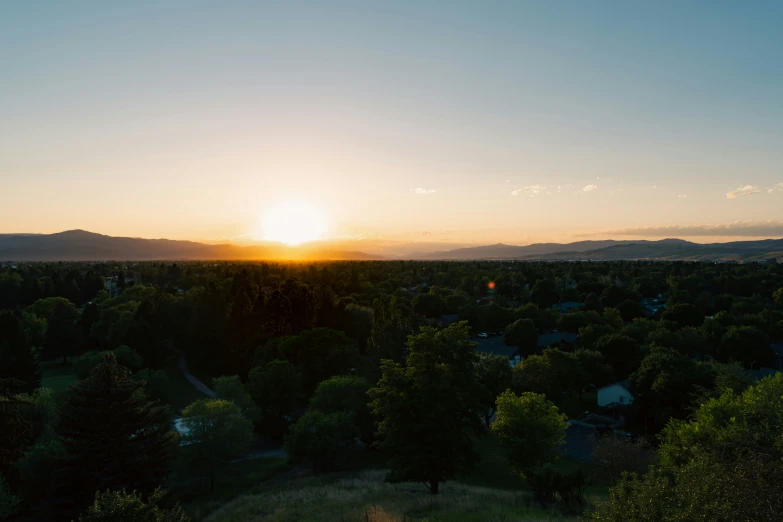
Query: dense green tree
(530, 428)
(346, 393)
(620, 352)
(523, 334)
(494, 376)
(778, 297)
(214, 432)
(113, 436)
(535, 374)
(664, 385)
(324, 440)
(595, 370)
(316, 354)
(232, 389)
(748, 346)
(63, 333)
(723, 465)
(121, 506)
(429, 305)
(18, 359)
(544, 293)
(275, 388)
(427, 407)
(390, 329)
(9, 503)
(684, 314)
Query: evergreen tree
(114, 438)
(17, 358)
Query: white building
(614, 395)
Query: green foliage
(549, 482)
(232, 389)
(274, 387)
(322, 440)
(530, 428)
(114, 437)
(523, 334)
(429, 305)
(41, 413)
(722, 465)
(316, 354)
(778, 297)
(544, 293)
(9, 503)
(18, 360)
(746, 345)
(427, 408)
(125, 356)
(494, 376)
(684, 314)
(121, 506)
(622, 353)
(664, 385)
(36, 467)
(215, 431)
(348, 394)
(156, 383)
(391, 326)
(63, 335)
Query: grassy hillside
(364, 496)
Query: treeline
(331, 357)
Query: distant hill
(665, 249)
(80, 245)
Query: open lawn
(493, 470)
(364, 496)
(57, 376)
(233, 480)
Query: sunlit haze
(405, 124)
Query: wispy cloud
(530, 191)
(736, 229)
(747, 190)
(590, 188)
(682, 196)
(423, 191)
(775, 188)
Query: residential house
(613, 395)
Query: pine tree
(17, 358)
(114, 437)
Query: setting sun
(294, 223)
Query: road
(195, 381)
(579, 442)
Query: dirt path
(196, 382)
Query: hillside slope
(364, 496)
(80, 245)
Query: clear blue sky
(455, 121)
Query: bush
(9, 503)
(549, 482)
(324, 441)
(156, 383)
(125, 356)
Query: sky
(403, 122)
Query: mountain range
(80, 245)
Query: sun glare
(294, 223)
